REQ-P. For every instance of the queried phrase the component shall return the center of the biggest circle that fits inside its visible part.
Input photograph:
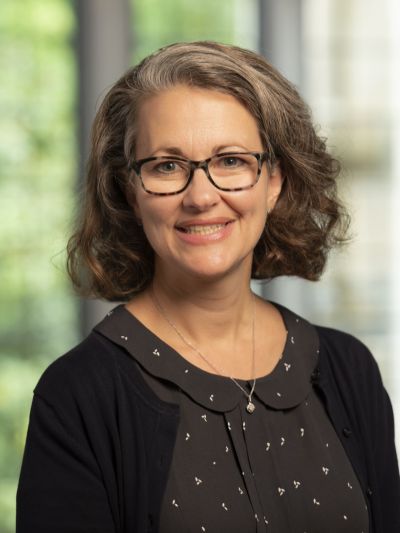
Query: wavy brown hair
(109, 255)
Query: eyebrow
(174, 150)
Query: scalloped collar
(285, 387)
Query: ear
(275, 182)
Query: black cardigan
(100, 443)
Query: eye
(166, 167)
(231, 161)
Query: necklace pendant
(250, 408)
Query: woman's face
(202, 231)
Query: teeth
(203, 230)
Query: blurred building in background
(58, 59)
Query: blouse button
(315, 375)
(369, 492)
(347, 432)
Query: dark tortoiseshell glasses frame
(261, 157)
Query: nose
(201, 193)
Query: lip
(227, 225)
(203, 222)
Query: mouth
(203, 229)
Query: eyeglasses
(230, 171)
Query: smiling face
(202, 232)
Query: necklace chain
(250, 406)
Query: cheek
(156, 218)
(251, 204)
(149, 208)
(256, 211)
(154, 235)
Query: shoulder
(336, 347)
(338, 339)
(96, 372)
(348, 366)
(91, 360)
(345, 350)
(98, 375)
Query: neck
(204, 309)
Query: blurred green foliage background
(156, 24)
(37, 173)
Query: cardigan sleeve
(381, 435)
(68, 481)
(352, 370)
(60, 487)
(98, 447)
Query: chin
(212, 271)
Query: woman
(196, 405)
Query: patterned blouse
(280, 469)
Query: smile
(203, 230)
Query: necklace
(250, 408)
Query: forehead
(191, 117)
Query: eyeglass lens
(228, 171)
